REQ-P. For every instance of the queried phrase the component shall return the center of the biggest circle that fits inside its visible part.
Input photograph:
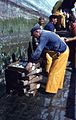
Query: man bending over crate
(57, 53)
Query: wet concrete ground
(41, 107)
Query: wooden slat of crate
(31, 85)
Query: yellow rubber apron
(56, 69)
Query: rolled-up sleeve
(36, 55)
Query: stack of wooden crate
(21, 81)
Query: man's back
(49, 26)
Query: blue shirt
(51, 41)
(49, 26)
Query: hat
(36, 27)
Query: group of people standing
(44, 39)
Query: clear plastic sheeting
(38, 5)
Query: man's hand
(29, 66)
(66, 39)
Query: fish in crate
(30, 85)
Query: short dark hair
(52, 17)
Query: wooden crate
(20, 81)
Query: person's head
(35, 31)
(53, 19)
(41, 21)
